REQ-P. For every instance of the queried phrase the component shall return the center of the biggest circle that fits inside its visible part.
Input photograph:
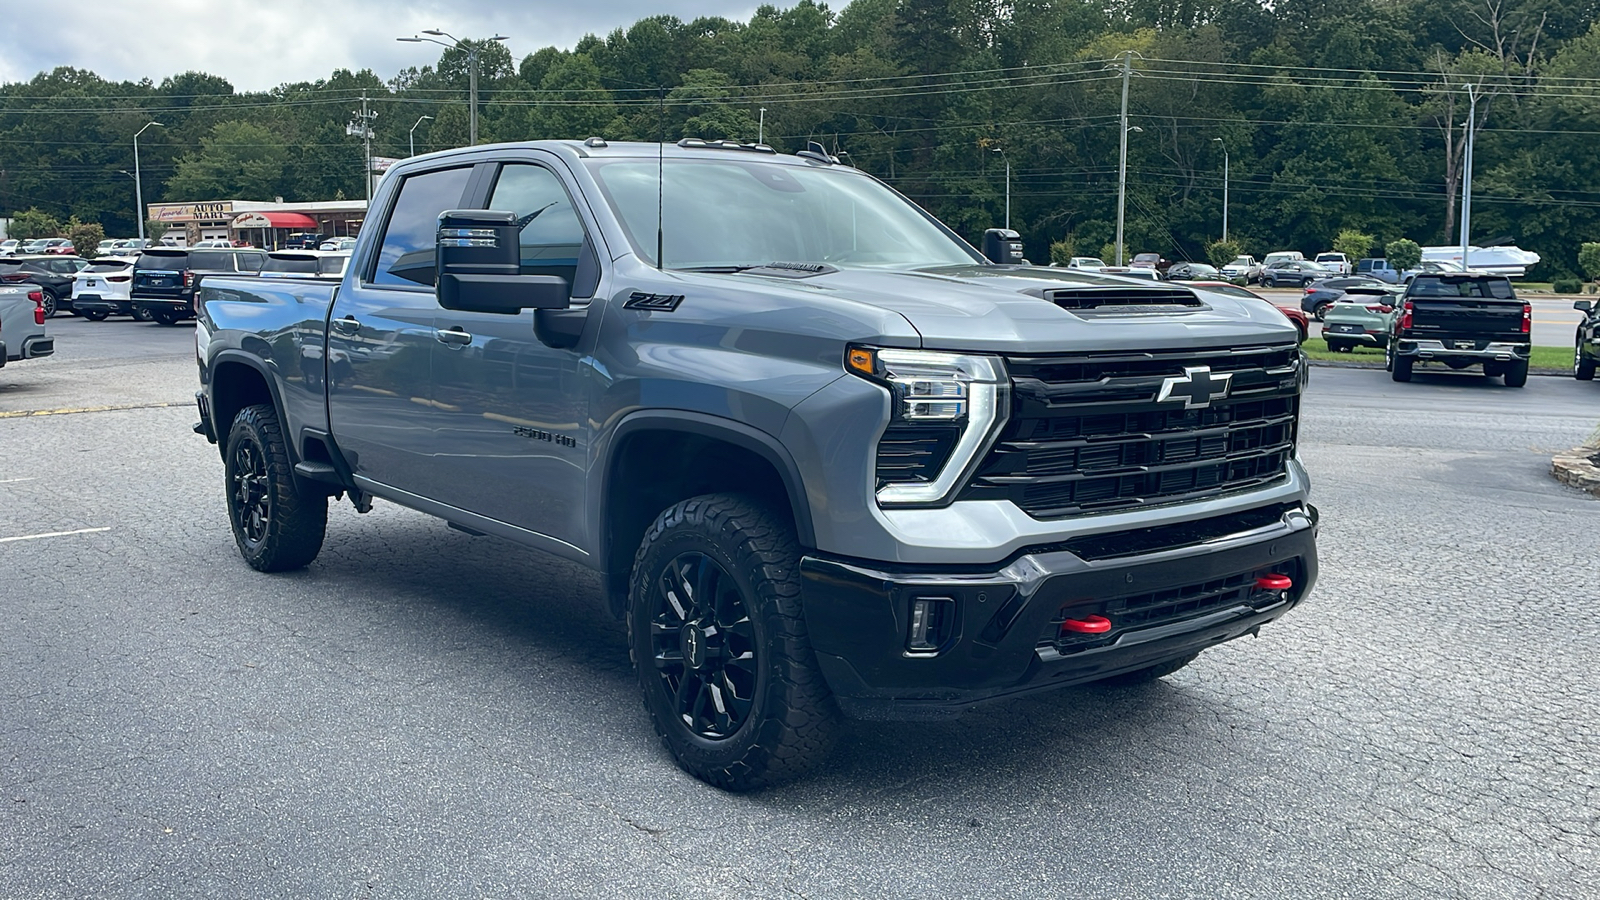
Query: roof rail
(703, 144)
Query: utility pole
(1466, 175)
(1122, 155)
(761, 127)
(362, 127)
(1007, 157)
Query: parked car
(164, 278)
(58, 247)
(303, 240)
(1278, 256)
(1192, 271)
(1126, 272)
(1336, 261)
(1378, 269)
(22, 331)
(1319, 295)
(1360, 317)
(1293, 313)
(9, 247)
(1586, 345)
(212, 244)
(1086, 262)
(52, 273)
(1244, 267)
(1297, 272)
(1462, 320)
(337, 244)
(1149, 261)
(103, 288)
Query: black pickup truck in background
(1462, 320)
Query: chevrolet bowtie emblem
(1196, 387)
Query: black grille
(1087, 433)
(912, 455)
(1161, 607)
(1122, 298)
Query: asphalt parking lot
(426, 714)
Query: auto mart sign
(192, 212)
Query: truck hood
(1014, 309)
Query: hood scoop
(1124, 301)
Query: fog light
(932, 620)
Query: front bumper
(1485, 351)
(1005, 634)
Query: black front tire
(719, 643)
(277, 527)
(1147, 674)
(1582, 366)
(1401, 370)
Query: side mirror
(1583, 305)
(1002, 246)
(478, 261)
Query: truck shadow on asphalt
(538, 623)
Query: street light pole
(1224, 188)
(1466, 175)
(138, 183)
(413, 134)
(1007, 158)
(761, 127)
(472, 70)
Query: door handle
(453, 336)
(346, 325)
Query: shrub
(1403, 254)
(1223, 252)
(86, 238)
(1062, 251)
(1353, 244)
(1566, 285)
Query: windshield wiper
(720, 270)
(786, 269)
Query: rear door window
(406, 256)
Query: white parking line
(51, 534)
(13, 480)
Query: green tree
(703, 96)
(1403, 254)
(1589, 259)
(1223, 252)
(1062, 251)
(31, 224)
(86, 238)
(239, 159)
(1353, 244)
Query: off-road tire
(1148, 673)
(276, 526)
(1401, 371)
(1582, 367)
(1517, 374)
(792, 719)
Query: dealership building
(262, 223)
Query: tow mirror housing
(1583, 305)
(478, 261)
(1003, 246)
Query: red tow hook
(1274, 582)
(1089, 625)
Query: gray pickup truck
(22, 329)
(830, 459)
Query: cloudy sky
(260, 44)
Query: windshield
(730, 212)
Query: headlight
(945, 410)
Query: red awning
(297, 221)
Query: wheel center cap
(693, 642)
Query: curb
(1579, 467)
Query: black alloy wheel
(1582, 367)
(50, 302)
(1320, 311)
(703, 646)
(720, 645)
(275, 525)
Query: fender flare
(733, 432)
(230, 356)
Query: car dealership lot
(422, 713)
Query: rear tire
(141, 314)
(166, 317)
(1147, 674)
(1582, 367)
(1320, 311)
(1402, 368)
(1517, 374)
(276, 527)
(50, 303)
(720, 647)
